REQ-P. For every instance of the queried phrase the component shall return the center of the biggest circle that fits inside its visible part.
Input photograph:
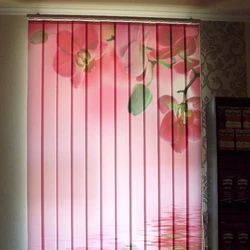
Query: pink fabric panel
(114, 136)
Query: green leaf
(39, 37)
(140, 99)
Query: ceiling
(235, 10)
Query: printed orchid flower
(173, 43)
(181, 122)
(83, 47)
(133, 51)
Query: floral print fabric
(114, 136)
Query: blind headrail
(67, 18)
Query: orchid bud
(140, 99)
(39, 37)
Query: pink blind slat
(114, 136)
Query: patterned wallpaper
(223, 65)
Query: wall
(223, 64)
(223, 74)
(247, 37)
(13, 80)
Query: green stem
(169, 66)
(184, 91)
(153, 63)
(111, 38)
(196, 75)
(189, 64)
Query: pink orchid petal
(62, 63)
(134, 60)
(196, 87)
(168, 34)
(164, 35)
(143, 33)
(194, 103)
(150, 57)
(194, 62)
(194, 126)
(180, 67)
(86, 37)
(178, 32)
(121, 38)
(165, 102)
(80, 36)
(78, 79)
(180, 139)
(127, 34)
(65, 40)
(166, 127)
(100, 51)
(164, 53)
(93, 38)
(173, 130)
(141, 77)
(186, 46)
(192, 30)
(194, 118)
(191, 45)
(134, 31)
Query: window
(114, 126)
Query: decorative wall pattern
(223, 73)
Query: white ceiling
(234, 10)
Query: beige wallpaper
(247, 38)
(223, 65)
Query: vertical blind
(114, 136)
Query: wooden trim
(125, 10)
